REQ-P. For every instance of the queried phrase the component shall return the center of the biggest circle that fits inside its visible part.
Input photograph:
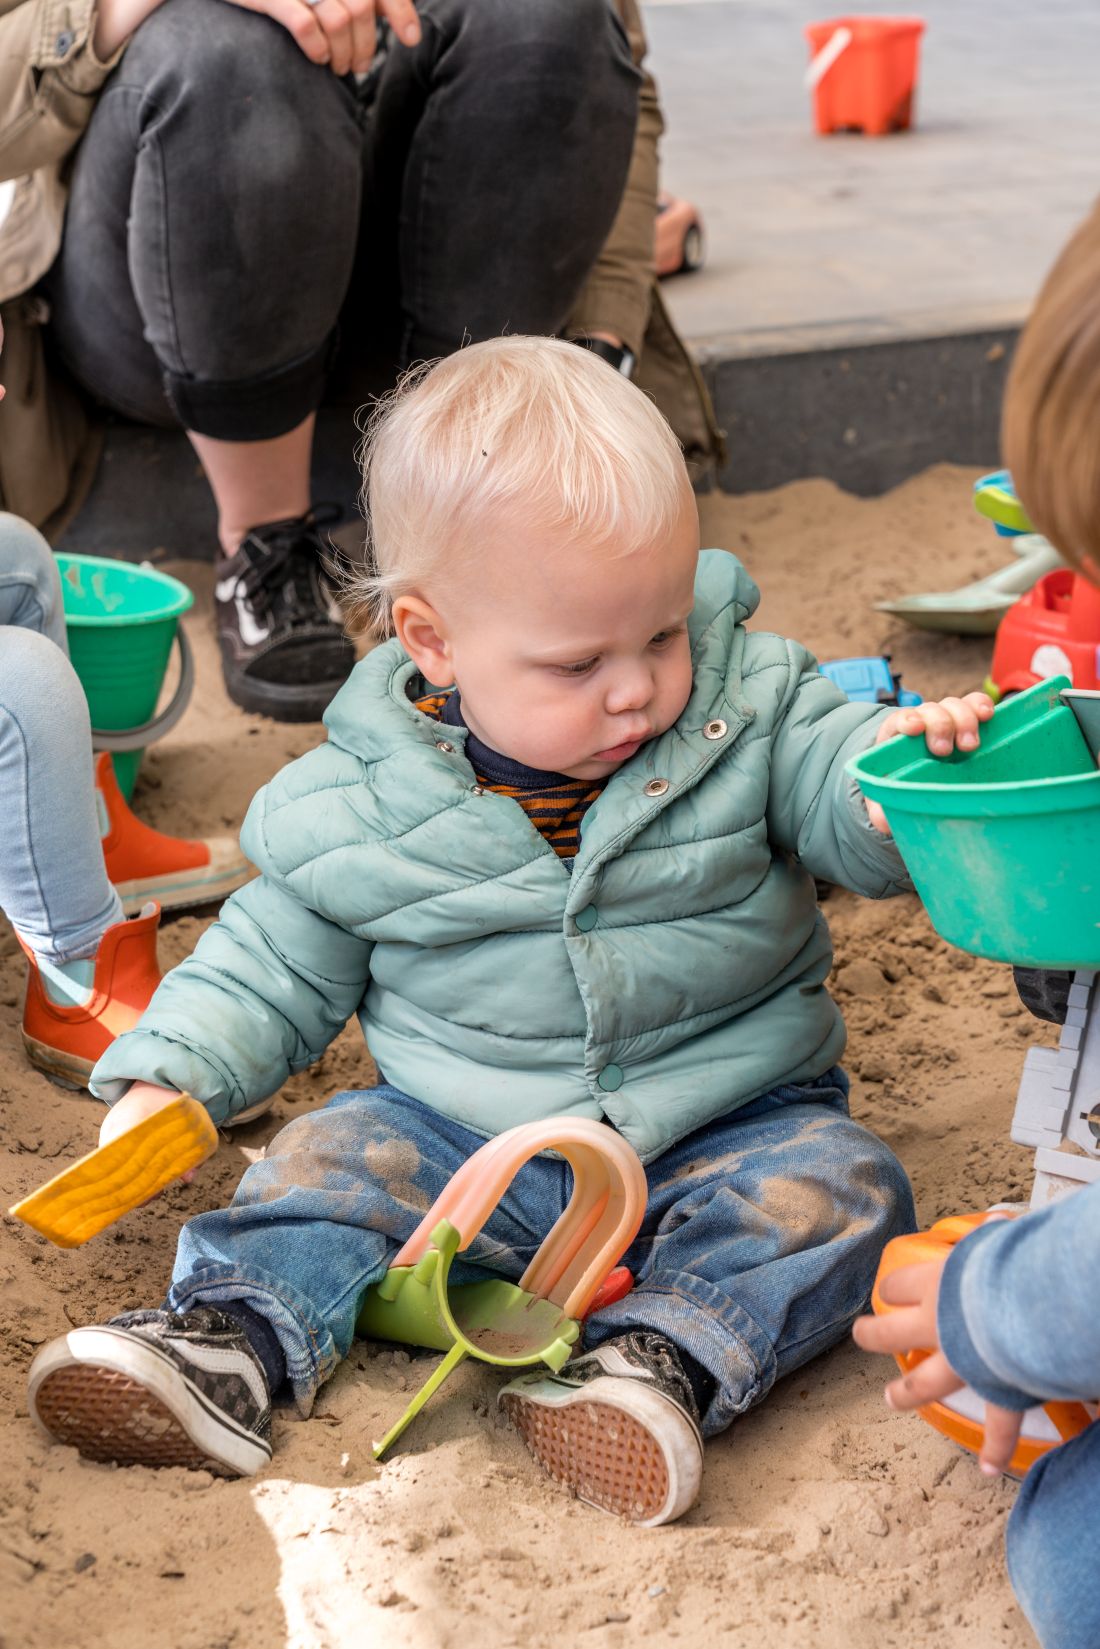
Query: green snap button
(610, 1078)
(587, 918)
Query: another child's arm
(1010, 1313)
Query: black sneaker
(153, 1388)
(619, 1426)
(284, 651)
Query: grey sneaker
(154, 1388)
(619, 1426)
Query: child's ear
(423, 634)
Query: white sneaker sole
(116, 1398)
(617, 1443)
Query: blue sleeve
(1018, 1317)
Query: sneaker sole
(175, 891)
(305, 702)
(610, 1454)
(116, 1399)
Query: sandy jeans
(758, 1249)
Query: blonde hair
(1050, 430)
(518, 432)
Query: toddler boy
(578, 880)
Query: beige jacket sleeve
(619, 291)
(49, 79)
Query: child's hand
(916, 1289)
(945, 724)
(141, 1100)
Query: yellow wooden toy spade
(96, 1191)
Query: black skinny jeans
(230, 198)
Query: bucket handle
(136, 738)
(838, 42)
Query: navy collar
(497, 769)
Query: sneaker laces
(654, 1349)
(282, 562)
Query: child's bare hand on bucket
(945, 724)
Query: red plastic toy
(863, 73)
(1054, 630)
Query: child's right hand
(142, 1100)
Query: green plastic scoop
(509, 1324)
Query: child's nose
(632, 689)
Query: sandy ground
(824, 1520)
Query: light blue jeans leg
(1051, 1543)
(53, 882)
(30, 584)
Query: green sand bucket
(1002, 842)
(121, 621)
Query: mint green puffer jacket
(675, 974)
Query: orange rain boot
(146, 864)
(66, 1042)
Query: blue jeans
(1051, 1542)
(758, 1248)
(53, 882)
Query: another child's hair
(514, 433)
(1050, 430)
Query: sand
(824, 1520)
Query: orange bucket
(960, 1416)
(863, 73)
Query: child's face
(567, 660)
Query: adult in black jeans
(231, 193)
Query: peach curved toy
(111, 1181)
(512, 1324)
(960, 1416)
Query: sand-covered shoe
(69, 1023)
(144, 863)
(157, 1388)
(619, 1426)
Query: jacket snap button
(656, 787)
(587, 918)
(479, 790)
(446, 746)
(715, 729)
(63, 42)
(610, 1078)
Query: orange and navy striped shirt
(554, 803)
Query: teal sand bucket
(122, 621)
(1002, 842)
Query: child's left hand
(945, 724)
(916, 1289)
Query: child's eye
(583, 667)
(663, 637)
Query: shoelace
(283, 566)
(656, 1349)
